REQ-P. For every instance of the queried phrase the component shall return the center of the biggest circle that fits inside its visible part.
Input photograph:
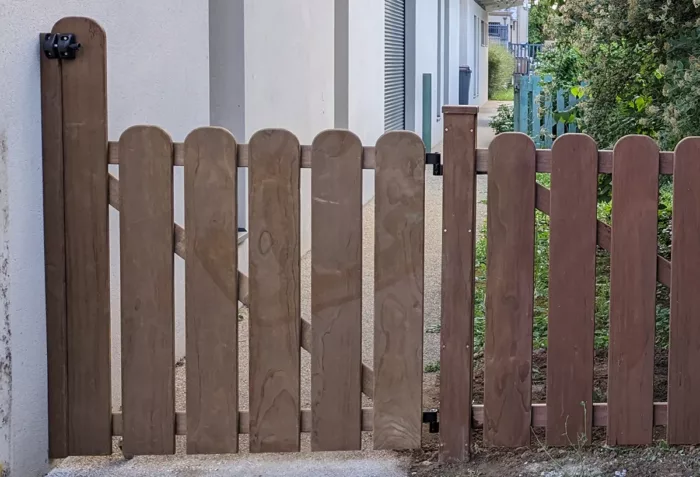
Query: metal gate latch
(430, 417)
(434, 159)
(60, 45)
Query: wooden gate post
(458, 251)
(74, 104)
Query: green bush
(504, 119)
(501, 68)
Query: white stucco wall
(424, 59)
(523, 16)
(146, 84)
(366, 77)
(467, 57)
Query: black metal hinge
(430, 417)
(434, 159)
(60, 45)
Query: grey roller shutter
(394, 64)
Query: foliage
(541, 14)
(504, 95)
(504, 120)
(639, 61)
(501, 68)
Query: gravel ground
(385, 464)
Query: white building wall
(366, 77)
(146, 84)
(423, 58)
(469, 38)
(523, 17)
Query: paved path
(360, 464)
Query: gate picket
(211, 291)
(147, 301)
(275, 313)
(336, 291)
(84, 93)
(398, 291)
(633, 291)
(571, 290)
(509, 291)
(684, 352)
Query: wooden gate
(78, 191)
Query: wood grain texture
(458, 241)
(147, 301)
(54, 254)
(572, 254)
(633, 291)
(211, 291)
(509, 291)
(336, 291)
(84, 92)
(243, 289)
(544, 161)
(275, 313)
(684, 350)
(398, 291)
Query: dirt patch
(538, 460)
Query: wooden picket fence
(78, 191)
(542, 114)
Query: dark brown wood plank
(572, 254)
(684, 350)
(211, 291)
(509, 291)
(54, 254)
(275, 312)
(336, 291)
(458, 240)
(148, 334)
(633, 291)
(544, 162)
(84, 91)
(398, 291)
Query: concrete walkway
(354, 464)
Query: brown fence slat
(509, 291)
(83, 84)
(398, 291)
(458, 240)
(55, 254)
(211, 291)
(275, 313)
(572, 255)
(633, 291)
(336, 291)
(148, 335)
(684, 352)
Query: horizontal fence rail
(543, 158)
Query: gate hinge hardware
(434, 159)
(62, 46)
(430, 417)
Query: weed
(433, 367)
